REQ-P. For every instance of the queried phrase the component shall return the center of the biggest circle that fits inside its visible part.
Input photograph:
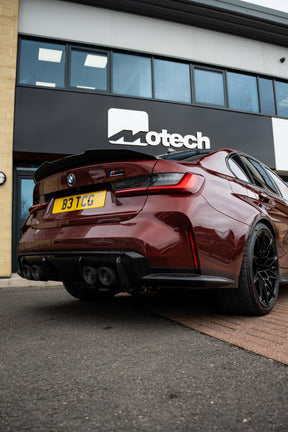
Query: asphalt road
(115, 366)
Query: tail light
(162, 183)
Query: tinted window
(242, 92)
(260, 176)
(267, 96)
(236, 168)
(172, 81)
(282, 98)
(132, 75)
(88, 70)
(42, 64)
(281, 185)
(209, 87)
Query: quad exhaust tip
(105, 277)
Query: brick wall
(8, 55)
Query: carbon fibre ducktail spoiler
(87, 158)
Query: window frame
(109, 51)
(246, 74)
(271, 174)
(128, 53)
(276, 97)
(92, 51)
(40, 40)
(241, 161)
(209, 69)
(171, 60)
(259, 77)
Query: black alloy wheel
(258, 287)
(265, 268)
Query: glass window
(42, 64)
(132, 75)
(259, 175)
(267, 96)
(27, 186)
(282, 98)
(242, 92)
(281, 185)
(172, 81)
(237, 170)
(88, 70)
(209, 87)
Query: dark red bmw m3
(109, 221)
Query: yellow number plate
(80, 202)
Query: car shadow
(124, 307)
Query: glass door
(23, 190)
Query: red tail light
(163, 183)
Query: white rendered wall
(87, 24)
(280, 135)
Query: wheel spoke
(265, 268)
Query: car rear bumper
(127, 270)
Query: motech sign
(130, 127)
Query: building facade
(143, 75)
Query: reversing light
(161, 183)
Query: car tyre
(258, 287)
(82, 292)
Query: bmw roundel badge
(70, 179)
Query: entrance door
(23, 190)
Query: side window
(260, 176)
(237, 169)
(281, 185)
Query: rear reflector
(162, 183)
(193, 249)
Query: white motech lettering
(131, 127)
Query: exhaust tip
(36, 272)
(107, 277)
(89, 275)
(26, 272)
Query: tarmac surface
(118, 365)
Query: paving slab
(266, 335)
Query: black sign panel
(64, 122)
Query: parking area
(266, 335)
(114, 365)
